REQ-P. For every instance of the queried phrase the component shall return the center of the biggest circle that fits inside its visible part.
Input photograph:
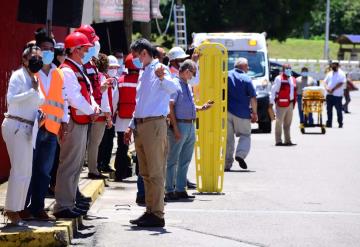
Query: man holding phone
(241, 95)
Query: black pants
(105, 148)
(332, 101)
(122, 161)
(55, 167)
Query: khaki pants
(240, 127)
(151, 150)
(72, 153)
(283, 120)
(17, 137)
(96, 133)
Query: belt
(22, 120)
(185, 120)
(147, 119)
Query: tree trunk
(128, 21)
(145, 28)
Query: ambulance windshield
(256, 60)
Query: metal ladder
(180, 26)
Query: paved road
(306, 195)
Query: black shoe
(190, 185)
(106, 169)
(142, 217)
(227, 169)
(290, 144)
(183, 195)
(80, 211)
(85, 200)
(347, 112)
(96, 176)
(340, 126)
(83, 206)
(328, 125)
(279, 144)
(67, 214)
(242, 162)
(151, 221)
(140, 200)
(171, 196)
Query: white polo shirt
(334, 78)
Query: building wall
(14, 35)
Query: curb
(59, 233)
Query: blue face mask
(120, 61)
(288, 72)
(89, 55)
(304, 74)
(138, 64)
(47, 57)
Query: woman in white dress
(23, 99)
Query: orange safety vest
(53, 106)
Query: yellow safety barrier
(210, 146)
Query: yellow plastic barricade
(210, 146)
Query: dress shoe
(80, 211)
(241, 161)
(82, 206)
(140, 199)
(142, 217)
(96, 176)
(340, 126)
(183, 195)
(279, 144)
(227, 169)
(82, 199)
(14, 218)
(290, 144)
(42, 215)
(106, 169)
(67, 214)
(328, 125)
(190, 185)
(26, 215)
(151, 221)
(171, 196)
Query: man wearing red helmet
(97, 128)
(83, 110)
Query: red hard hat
(89, 32)
(76, 39)
(129, 63)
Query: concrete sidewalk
(46, 233)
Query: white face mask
(97, 49)
(193, 81)
(112, 72)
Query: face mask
(288, 72)
(88, 55)
(119, 71)
(138, 64)
(334, 68)
(112, 72)
(35, 64)
(48, 57)
(120, 61)
(304, 74)
(193, 81)
(97, 48)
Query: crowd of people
(68, 101)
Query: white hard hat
(113, 61)
(177, 53)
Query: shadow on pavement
(156, 230)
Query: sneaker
(242, 162)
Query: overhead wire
(168, 21)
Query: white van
(253, 47)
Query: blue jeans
(301, 112)
(179, 157)
(332, 101)
(43, 160)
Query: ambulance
(253, 47)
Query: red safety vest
(92, 73)
(127, 95)
(102, 118)
(174, 71)
(283, 96)
(76, 115)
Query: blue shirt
(240, 90)
(152, 94)
(184, 101)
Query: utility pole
(145, 29)
(128, 21)
(49, 17)
(327, 30)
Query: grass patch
(301, 49)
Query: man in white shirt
(334, 84)
(83, 111)
(150, 129)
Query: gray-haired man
(241, 94)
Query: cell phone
(210, 102)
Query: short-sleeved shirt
(184, 101)
(302, 82)
(240, 91)
(334, 78)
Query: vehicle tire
(265, 127)
(323, 130)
